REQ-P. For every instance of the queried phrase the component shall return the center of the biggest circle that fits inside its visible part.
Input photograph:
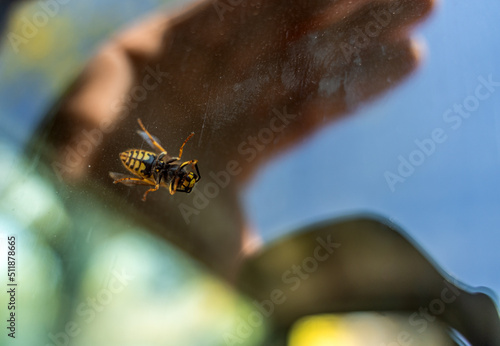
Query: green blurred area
(84, 268)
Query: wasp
(157, 169)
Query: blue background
(450, 205)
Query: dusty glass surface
(348, 154)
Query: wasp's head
(187, 182)
(182, 180)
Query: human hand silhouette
(250, 78)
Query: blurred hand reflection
(250, 78)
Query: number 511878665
(11, 259)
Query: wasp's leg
(173, 185)
(183, 144)
(134, 181)
(194, 166)
(128, 180)
(116, 176)
(157, 186)
(153, 141)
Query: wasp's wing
(145, 137)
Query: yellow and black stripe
(139, 162)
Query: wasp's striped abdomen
(139, 162)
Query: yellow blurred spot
(35, 33)
(364, 329)
(320, 331)
(28, 32)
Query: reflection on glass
(253, 80)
